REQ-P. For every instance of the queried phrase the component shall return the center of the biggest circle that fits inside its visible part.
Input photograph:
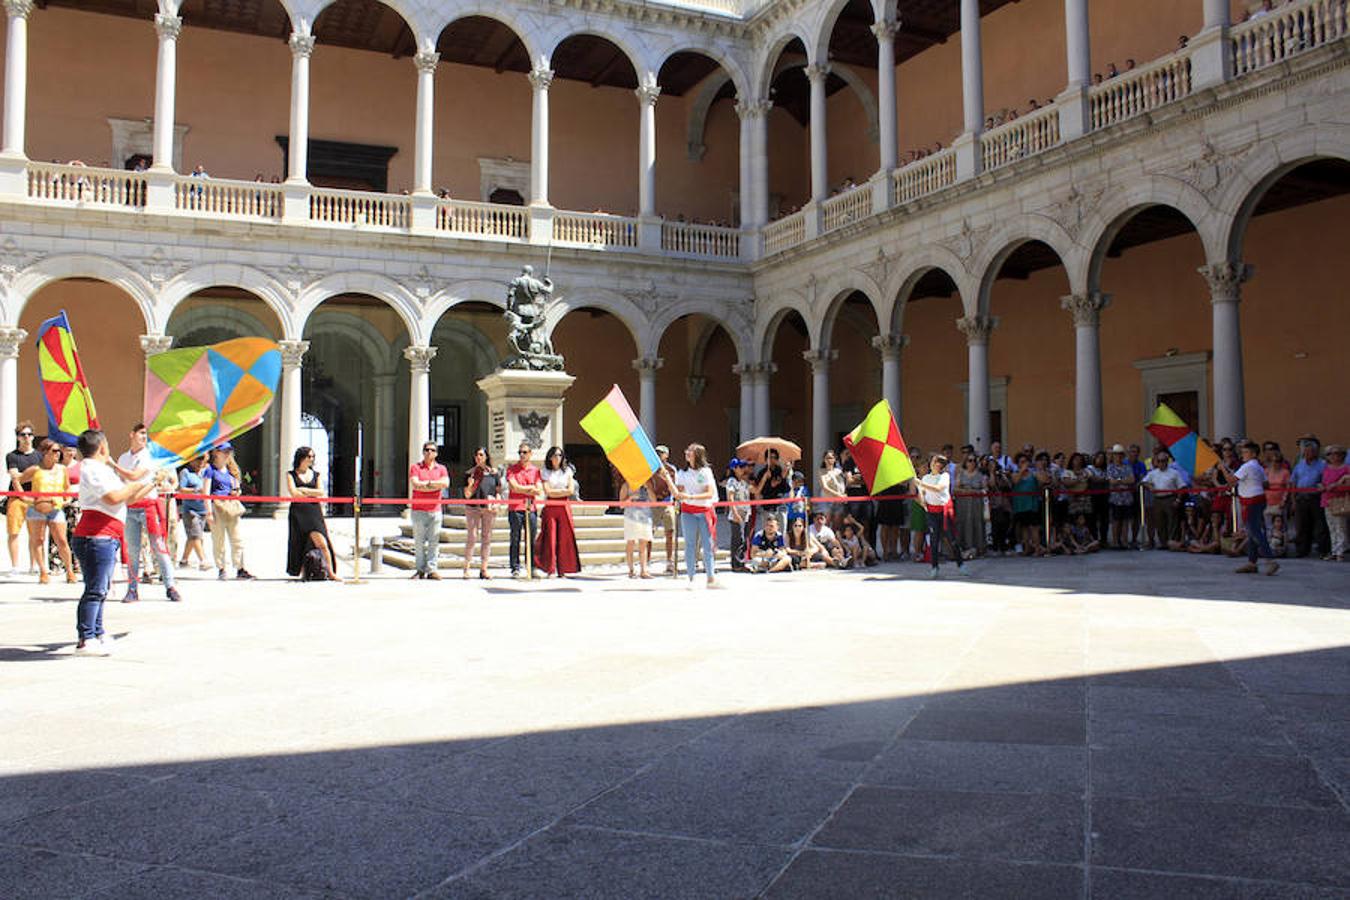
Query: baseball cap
(662, 448)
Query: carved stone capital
(753, 109)
(541, 78)
(419, 358)
(744, 371)
(820, 359)
(292, 352)
(1225, 280)
(890, 346)
(19, 9)
(647, 366)
(426, 61)
(11, 339)
(817, 72)
(302, 45)
(155, 343)
(168, 27)
(885, 30)
(1086, 308)
(977, 328)
(648, 91)
(766, 369)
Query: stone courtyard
(1123, 725)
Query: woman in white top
(556, 549)
(935, 489)
(696, 489)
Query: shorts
(636, 530)
(194, 524)
(15, 513)
(1124, 513)
(666, 518)
(1027, 518)
(52, 515)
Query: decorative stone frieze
(967, 244)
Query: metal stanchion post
(1233, 502)
(356, 512)
(529, 543)
(1143, 515)
(1047, 517)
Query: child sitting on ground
(1080, 539)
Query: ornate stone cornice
(168, 27)
(977, 328)
(292, 353)
(1086, 308)
(541, 78)
(11, 339)
(302, 45)
(817, 71)
(1225, 280)
(419, 357)
(890, 346)
(426, 61)
(648, 365)
(820, 359)
(19, 9)
(155, 343)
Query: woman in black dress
(307, 528)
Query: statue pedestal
(524, 406)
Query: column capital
(19, 9)
(426, 61)
(1225, 280)
(647, 366)
(890, 345)
(766, 369)
(820, 359)
(753, 108)
(648, 90)
(541, 78)
(977, 328)
(11, 339)
(302, 45)
(155, 343)
(168, 27)
(885, 29)
(744, 371)
(292, 352)
(817, 72)
(419, 357)
(1086, 308)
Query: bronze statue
(526, 302)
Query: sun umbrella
(758, 447)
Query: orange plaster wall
(932, 369)
(710, 421)
(599, 350)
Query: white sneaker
(716, 586)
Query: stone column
(746, 374)
(419, 397)
(1217, 14)
(763, 401)
(302, 47)
(292, 353)
(1079, 42)
(166, 75)
(425, 61)
(540, 79)
(977, 330)
(972, 67)
(885, 32)
(745, 112)
(817, 74)
(1087, 397)
(647, 367)
(760, 161)
(647, 92)
(891, 346)
(16, 81)
(11, 340)
(383, 445)
(820, 405)
(1211, 55)
(1225, 291)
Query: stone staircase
(599, 541)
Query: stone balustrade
(1033, 133)
(223, 197)
(924, 176)
(600, 231)
(850, 206)
(489, 221)
(1132, 93)
(367, 209)
(688, 239)
(784, 233)
(85, 185)
(1278, 35)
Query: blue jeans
(98, 558)
(516, 519)
(695, 531)
(134, 531)
(1257, 545)
(426, 525)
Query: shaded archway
(593, 91)
(789, 176)
(470, 343)
(700, 181)
(932, 357)
(854, 153)
(697, 392)
(788, 390)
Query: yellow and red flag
(70, 405)
(879, 450)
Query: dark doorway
(1185, 404)
(445, 431)
(506, 196)
(339, 164)
(593, 472)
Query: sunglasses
(25, 434)
(430, 450)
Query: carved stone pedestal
(524, 405)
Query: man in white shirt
(1164, 480)
(136, 465)
(826, 537)
(1251, 490)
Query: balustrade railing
(595, 230)
(1275, 36)
(486, 220)
(1027, 136)
(245, 199)
(924, 176)
(788, 231)
(1132, 93)
(85, 185)
(850, 206)
(359, 208)
(689, 239)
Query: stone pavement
(1125, 725)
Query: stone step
(601, 531)
(498, 559)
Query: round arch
(527, 32)
(84, 265)
(671, 315)
(822, 27)
(410, 11)
(731, 67)
(901, 285)
(1257, 182)
(223, 318)
(766, 65)
(613, 303)
(246, 278)
(1012, 235)
(839, 290)
(384, 357)
(474, 290)
(1119, 206)
(767, 329)
(381, 287)
(635, 53)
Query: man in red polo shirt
(427, 478)
(524, 485)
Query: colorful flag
(1191, 453)
(70, 406)
(879, 450)
(612, 425)
(197, 398)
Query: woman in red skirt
(555, 552)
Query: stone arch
(669, 316)
(767, 64)
(767, 329)
(527, 30)
(247, 278)
(822, 28)
(1005, 241)
(601, 298)
(384, 357)
(855, 83)
(381, 287)
(414, 15)
(731, 67)
(85, 265)
(914, 267)
(473, 290)
(839, 290)
(631, 46)
(225, 318)
(1119, 206)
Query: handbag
(1339, 504)
(230, 507)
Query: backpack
(314, 567)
